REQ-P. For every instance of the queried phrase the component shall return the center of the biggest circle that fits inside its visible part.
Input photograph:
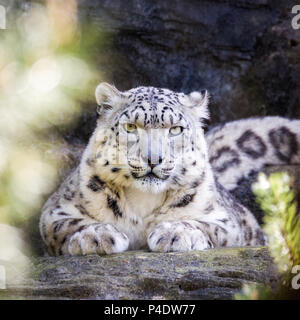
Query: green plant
(282, 227)
(46, 72)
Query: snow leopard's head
(149, 138)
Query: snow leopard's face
(150, 138)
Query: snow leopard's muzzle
(151, 157)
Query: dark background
(245, 52)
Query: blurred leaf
(46, 72)
(282, 227)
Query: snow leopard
(150, 179)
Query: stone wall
(244, 52)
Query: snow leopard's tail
(241, 147)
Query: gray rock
(244, 52)
(212, 274)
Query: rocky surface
(212, 274)
(245, 52)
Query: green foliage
(281, 222)
(282, 227)
(46, 72)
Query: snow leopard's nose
(151, 147)
(152, 164)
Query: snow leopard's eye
(175, 131)
(130, 128)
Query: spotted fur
(242, 147)
(145, 180)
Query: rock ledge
(213, 274)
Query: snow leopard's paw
(98, 238)
(177, 236)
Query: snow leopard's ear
(107, 97)
(197, 102)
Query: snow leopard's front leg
(217, 229)
(186, 235)
(68, 230)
